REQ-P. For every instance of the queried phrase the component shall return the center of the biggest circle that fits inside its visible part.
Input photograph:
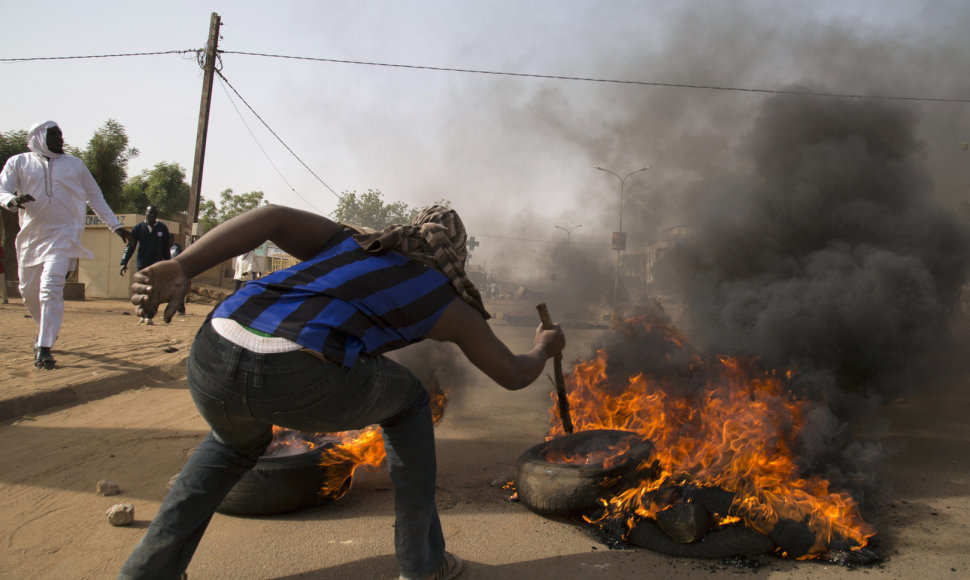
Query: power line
(613, 81)
(261, 148)
(515, 74)
(278, 138)
(535, 240)
(37, 58)
(199, 55)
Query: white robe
(51, 226)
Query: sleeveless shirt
(344, 302)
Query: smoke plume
(828, 256)
(831, 255)
(826, 236)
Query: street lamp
(619, 238)
(569, 252)
(569, 232)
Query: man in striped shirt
(301, 348)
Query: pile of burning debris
(300, 470)
(696, 460)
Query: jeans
(242, 394)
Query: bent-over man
(303, 348)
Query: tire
(734, 540)
(565, 490)
(284, 484)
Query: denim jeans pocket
(213, 409)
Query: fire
(346, 450)
(288, 442)
(733, 428)
(356, 449)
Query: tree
(107, 157)
(11, 143)
(163, 186)
(230, 205)
(369, 210)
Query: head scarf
(37, 139)
(436, 237)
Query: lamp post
(569, 239)
(569, 232)
(619, 238)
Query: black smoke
(819, 242)
(829, 256)
(581, 276)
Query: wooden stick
(567, 422)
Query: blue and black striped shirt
(344, 302)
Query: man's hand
(125, 235)
(124, 268)
(161, 282)
(20, 200)
(552, 340)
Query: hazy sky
(515, 155)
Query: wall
(100, 275)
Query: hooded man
(50, 190)
(303, 348)
(152, 240)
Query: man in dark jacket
(152, 240)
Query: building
(100, 275)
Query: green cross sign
(472, 244)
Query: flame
(356, 449)
(290, 442)
(734, 430)
(347, 450)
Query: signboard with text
(93, 221)
(619, 241)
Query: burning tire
(552, 481)
(735, 540)
(287, 483)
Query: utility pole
(569, 249)
(209, 66)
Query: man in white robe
(50, 190)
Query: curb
(91, 390)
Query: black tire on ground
(715, 499)
(563, 489)
(734, 540)
(283, 484)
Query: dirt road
(52, 524)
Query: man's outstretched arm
(129, 251)
(466, 327)
(299, 233)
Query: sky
(514, 155)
